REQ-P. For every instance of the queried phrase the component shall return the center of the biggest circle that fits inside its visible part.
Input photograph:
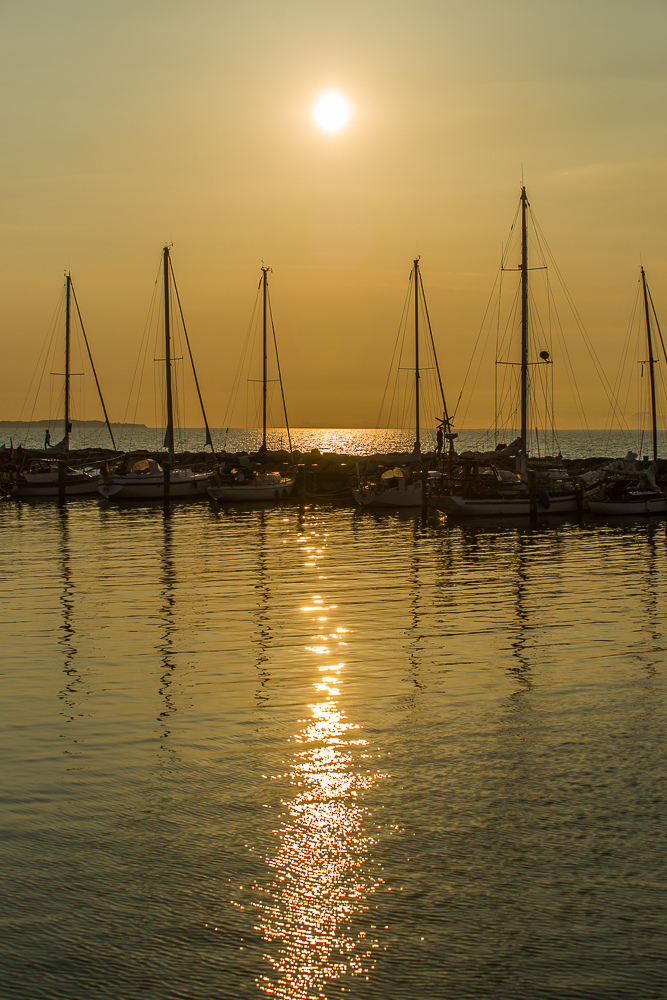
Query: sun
(331, 112)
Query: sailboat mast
(169, 436)
(651, 363)
(67, 358)
(524, 325)
(417, 441)
(264, 355)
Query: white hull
(75, 486)
(183, 485)
(637, 505)
(391, 496)
(279, 489)
(569, 503)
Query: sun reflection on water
(319, 867)
(322, 870)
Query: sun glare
(332, 112)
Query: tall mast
(651, 363)
(67, 359)
(169, 435)
(417, 441)
(265, 270)
(524, 326)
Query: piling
(167, 479)
(532, 492)
(62, 470)
(424, 478)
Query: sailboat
(402, 485)
(483, 489)
(49, 473)
(245, 481)
(635, 491)
(153, 480)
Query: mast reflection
(73, 684)
(167, 617)
(650, 598)
(321, 868)
(521, 670)
(415, 631)
(264, 631)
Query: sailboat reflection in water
(322, 866)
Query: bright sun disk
(331, 112)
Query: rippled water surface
(302, 754)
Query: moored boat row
(459, 486)
(491, 489)
(51, 474)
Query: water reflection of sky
(321, 872)
(524, 774)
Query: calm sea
(349, 441)
(329, 752)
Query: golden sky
(128, 123)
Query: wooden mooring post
(532, 492)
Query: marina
(518, 477)
(316, 474)
(333, 501)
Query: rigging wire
(244, 364)
(209, 441)
(542, 405)
(399, 333)
(92, 365)
(434, 356)
(135, 395)
(575, 312)
(280, 377)
(44, 358)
